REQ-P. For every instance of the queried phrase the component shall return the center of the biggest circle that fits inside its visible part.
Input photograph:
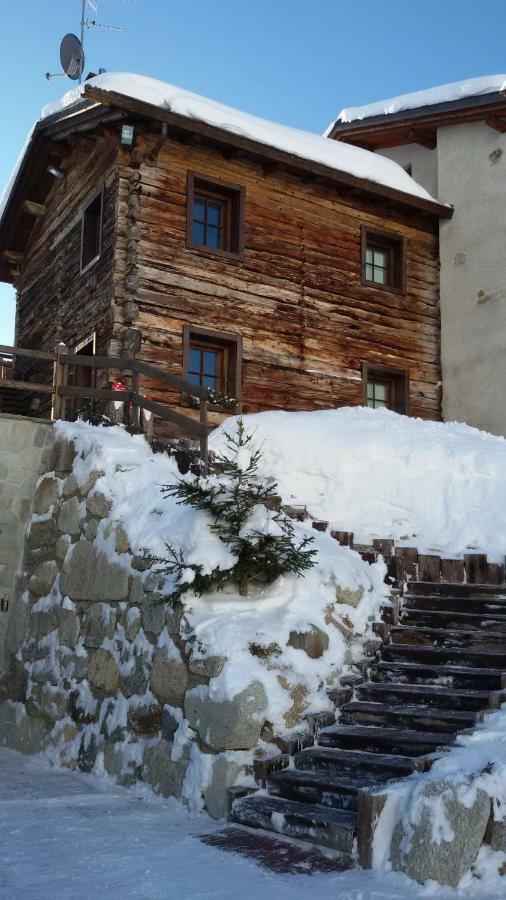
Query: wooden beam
(34, 209)
(497, 123)
(423, 138)
(13, 256)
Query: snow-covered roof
(444, 93)
(303, 144)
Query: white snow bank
(226, 624)
(444, 93)
(438, 486)
(304, 144)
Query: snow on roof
(445, 93)
(306, 145)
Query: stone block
(229, 724)
(98, 505)
(63, 454)
(209, 667)
(169, 724)
(153, 614)
(104, 672)
(135, 681)
(69, 520)
(497, 835)
(62, 545)
(89, 575)
(100, 624)
(91, 529)
(90, 482)
(26, 734)
(44, 622)
(53, 703)
(124, 771)
(122, 544)
(70, 486)
(169, 678)
(87, 752)
(166, 776)
(42, 579)
(46, 496)
(224, 774)
(41, 541)
(314, 642)
(448, 860)
(132, 622)
(68, 627)
(136, 596)
(174, 612)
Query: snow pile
(304, 144)
(445, 93)
(338, 597)
(438, 486)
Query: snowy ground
(66, 835)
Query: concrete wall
(423, 164)
(468, 170)
(22, 442)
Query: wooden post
(204, 453)
(135, 410)
(59, 379)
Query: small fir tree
(245, 517)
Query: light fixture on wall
(127, 138)
(57, 173)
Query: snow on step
(446, 637)
(321, 825)
(339, 791)
(359, 763)
(464, 656)
(462, 676)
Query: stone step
(321, 825)
(356, 763)
(456, 676)
(378, 739)
(428, 695)
(448, 637)
(486, 605)
(406, 715)
(436, 618)
(459, 656)
(304, 786)
(445, 589)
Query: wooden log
(34, 209)
(345, 538)
(429, 567)
(476, 568)
(452, 571)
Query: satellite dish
(71, 56)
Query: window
(386, 388)
(91, 232)
(383, 260)
(213, 360)
(215, 216)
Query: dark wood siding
(296, 298)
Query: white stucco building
(452, 139)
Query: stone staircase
(441, 665)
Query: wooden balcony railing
(62, 392)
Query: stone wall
(22, 444)
(99, 674)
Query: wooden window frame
(231, 344)
(85, 207)
(232, 196)
(395, 246)
(395, 377)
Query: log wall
(296, 298)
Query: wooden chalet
(275, 280)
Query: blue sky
(294, 61)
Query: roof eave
(272, 154)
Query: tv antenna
(72, 57)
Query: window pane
(210, 381)
(369, 272)
(370, 391)
(380, 404)
(199, 209)
(379, 276)
(213, 237)
(194, 377)
(370, 402)
(210, 362)
(380, 391)
(194, 359)
(380, 258)
(198, 233)
(214, 211)
(369, 255)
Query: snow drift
(438, 486)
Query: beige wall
(22, 443)
(469, 171)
